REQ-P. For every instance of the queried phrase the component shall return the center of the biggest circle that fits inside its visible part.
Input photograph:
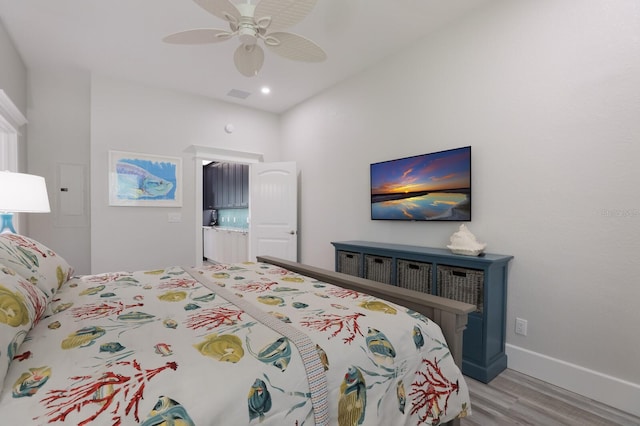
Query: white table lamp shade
(23, 193)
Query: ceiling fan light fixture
(248, 59)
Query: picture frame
(144, 180)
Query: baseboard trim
(609, 390)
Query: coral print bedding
(229, 344)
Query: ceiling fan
(263, 21)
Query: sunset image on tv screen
(435, 186)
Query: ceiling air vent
(240, 94)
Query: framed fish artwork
(144, 180)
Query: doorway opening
(204, 155)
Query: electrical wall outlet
(521, 326)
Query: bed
(270, 342)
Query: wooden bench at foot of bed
(450, 315)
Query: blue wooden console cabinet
(480, 280)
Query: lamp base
(7, 223)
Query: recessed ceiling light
(265, 90)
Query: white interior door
(273, 200)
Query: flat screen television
(428, 187)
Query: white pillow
(34, 261)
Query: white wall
(56, 104)
(548, 95)
(59, 132)
(134, 118)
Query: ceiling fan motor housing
(247, 32)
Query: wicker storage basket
(414, 275)
(463, 284)
(377, 268)
(349, 263)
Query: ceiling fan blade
(249, 59)
(293, 46)
(220, 8)
(283, 13)
(198, 36)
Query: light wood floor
(513, 398)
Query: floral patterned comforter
(200, 347)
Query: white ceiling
(122, 39)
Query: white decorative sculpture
(464, 242)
